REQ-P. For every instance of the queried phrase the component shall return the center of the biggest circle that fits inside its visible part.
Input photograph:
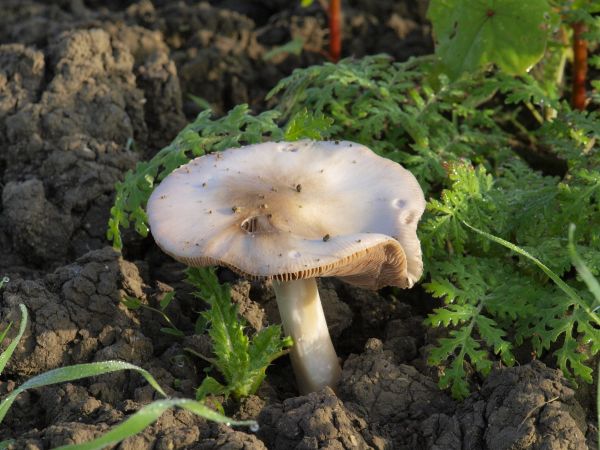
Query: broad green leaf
(471, 34)
(147, 416)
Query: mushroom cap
(293, 210)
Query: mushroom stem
(313, 357)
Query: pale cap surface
(293, 210)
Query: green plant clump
(241, 361)
(496, 149)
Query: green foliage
(454, 137)
(136, 423)
(395, 109)
(241, 361)
(473, 34)
(486, 292)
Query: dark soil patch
(89, 88)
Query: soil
(87, 89)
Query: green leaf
(199, 101)
(294, 47)
(4, 444)
(131, 302)
(172, 331)
(166, 300)
(8, 352)
(472, 34)
(149, 414)
(304, 125)
(3, 334)
(241, 361)
(75, 372)
(210, 386)
(582, 269)
(553, 276)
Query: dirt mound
(527, 407)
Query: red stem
(335, 30)
(580, 57)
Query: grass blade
(148, 415)
(582, 269)
(6, 354)
(72, 373)
(552, 275)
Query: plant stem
(313, 356)
(580, 56)
(335, 30)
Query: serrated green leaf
(307, 126)
(241, 361)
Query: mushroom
(290, 212)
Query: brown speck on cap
(375, 242)
(298, 188)
(326, 238)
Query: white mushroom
(290, 212)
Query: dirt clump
(317, 420)
(76, 315)
(527, 407)
(71, 116)
(392, 398)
